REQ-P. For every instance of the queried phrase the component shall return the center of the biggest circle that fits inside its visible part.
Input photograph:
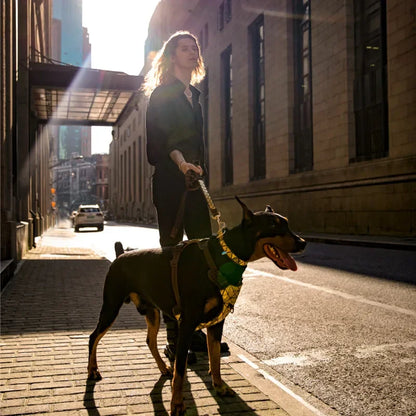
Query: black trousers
(168, 193)
(167, 197)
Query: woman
(175, 147)
(174, 139)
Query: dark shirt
(173, 123)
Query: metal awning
(64, 94)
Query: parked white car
(89, 216)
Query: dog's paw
(224, 390)
(94, 375)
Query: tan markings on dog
(177, 406)
(93, 372)
(284, 242)
(258, 250)
(214, 354)
(134, 297)
(287, 243)
(211, 304)
(153, 323)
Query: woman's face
(186, 54)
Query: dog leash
(192, 180)
(221, 225)
(228, 293)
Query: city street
(115, 114)
(342, 328)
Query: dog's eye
(276, 225)
(280, 227)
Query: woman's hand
(185, 166)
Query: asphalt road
(342, 328)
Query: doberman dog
(194, 293)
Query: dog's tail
(118, 247)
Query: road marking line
(337, 293)
(267, 376)
(372, 350)
(247, 361)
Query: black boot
(172, 336)
(199, 342)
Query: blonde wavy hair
(162, 67)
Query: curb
(290, 397)
(376, 242)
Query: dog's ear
(247, 213)
(269, 209)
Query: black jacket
(172, 123)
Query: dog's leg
(153, 324)
(214, 334)
(107, 316)
(184, 341)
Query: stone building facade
(309, 106)
(102, 168)
(81, 180)
(25, 145)
(130, 194)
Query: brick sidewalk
(48, 311)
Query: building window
(125, 177)
(302, 117)
(258, 142)
(205, 103)
(129, 173)
(370, 80)
(227, 11)
(134, 172)
(220, 17)
(227, 99)
(142, 164)
(121, 177)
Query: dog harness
(228, 278)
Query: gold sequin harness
(229, 293)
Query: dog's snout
(301, 244)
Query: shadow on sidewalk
(89, 402)
(156, 396)
(59, 296)
(65, 295)
(197, 376)
(226, 405)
